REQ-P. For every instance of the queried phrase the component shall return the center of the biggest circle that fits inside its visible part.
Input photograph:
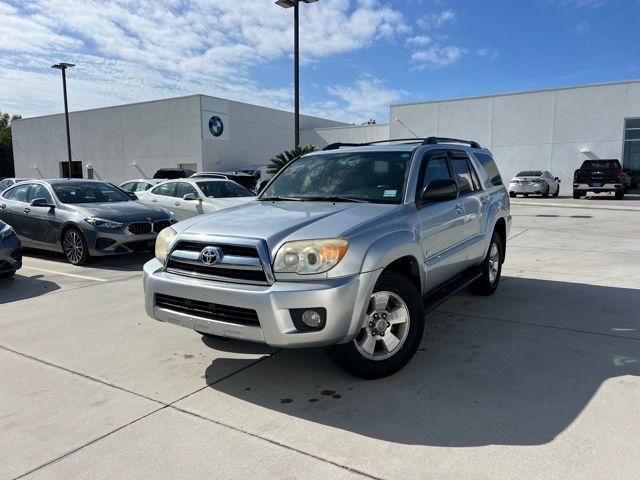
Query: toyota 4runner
(347, 248)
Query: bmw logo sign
(216, 127)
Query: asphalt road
(541, 380)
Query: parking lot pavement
(603, 201)
(541, 380)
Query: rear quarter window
(491, 169)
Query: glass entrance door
(631, 158)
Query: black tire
(619, 194)
(348, 356)
(576, 195)
(512, 194)
(557, 192)
(74, 246)
(8, 274)
(545, 194)
(487, 284)
(525, 195)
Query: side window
(39, 191)
(185, 188)
(490, 168)
(142, 187)
(128, 187)
(166, 189)
(463, 175)
(4, 184)
(19, 193)
(436, 169)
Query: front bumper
(605, 187)
(345, 300)
(10, 254)
(528, 188)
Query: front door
(442, 225)
(182, 208)
(15, 210)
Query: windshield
(223, 189)
(88, 192)
(530, 173)
(357, 176)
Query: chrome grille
(239, 260)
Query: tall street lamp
(63, 67)
(296, 58)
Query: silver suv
(347, 248)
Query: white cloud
(437, 57)
(583, 27)
(138, 50)
(490, 53)
(420, 40)
(437, 20)
(580, 3)
(367, 98)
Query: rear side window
(463, 175)
(19, 193)
(166, 189)
(143, 186)
(490, 168)
(128, 187)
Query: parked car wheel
(545, 194)
(619, 194)
(512, 194)
(75, 247)
(391, 331)
(557, 192)
(7, 274)
(576, 195)
(488, 282)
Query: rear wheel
(512, 194)
(488, 282)
(545, 194)
(619, 194)
(390, 333)
(576, 195)
(557, 191)
(75, 247)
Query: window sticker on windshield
(389, 193)
(405, 155)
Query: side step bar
(445, 291)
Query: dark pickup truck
(600, 176)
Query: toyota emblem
(210, 255)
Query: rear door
(474, 199)
(44, 224)
(442, 224)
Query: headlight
(163, 242)
(6, 232)
(310, 256)
(101, 222)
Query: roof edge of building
(352, 126)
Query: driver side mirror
(41, 202)
(441, 190)
(190, 196)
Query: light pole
(296, 58)
(63, 67)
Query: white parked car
(140, 185)
(534, 182)
(188, 197)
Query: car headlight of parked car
(163, 242)
(6, 232)
(101, 222)
(310, 256)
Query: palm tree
(282, 159)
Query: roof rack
(422, 141)
(437, 140)
(336, 146)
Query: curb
(587, 206)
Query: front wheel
(619, 194)
(545, 194)
(75, 247)
(390, 333)
(557, 191)
(576, 195)
(512, 194)
(491, 267)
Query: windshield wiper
(335, 198)
(280, 199)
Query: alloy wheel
(73, 247)
(385, 327)
(494, 263)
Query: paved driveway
(541, 380)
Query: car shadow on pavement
(124, 263)
(518, 373)
(22, 287)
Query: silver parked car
(81, 218)
(10, 251)
(346, 248)
(188, 197)
(534, 182)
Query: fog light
(311, 318)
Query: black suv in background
(600, 176)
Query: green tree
(6, 147)
(282, 159)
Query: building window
(631, 157)
(76, 169)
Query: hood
(276, 222)
(121, 211)
(230, 201)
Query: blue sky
(358, 56)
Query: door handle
(3, 206)
(459, 209)
(26, 210)
(177, 204)
(154, 200)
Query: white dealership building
(553, 130)
(118, 143)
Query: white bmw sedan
(186, 197)
(534, 182)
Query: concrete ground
(540, 381)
